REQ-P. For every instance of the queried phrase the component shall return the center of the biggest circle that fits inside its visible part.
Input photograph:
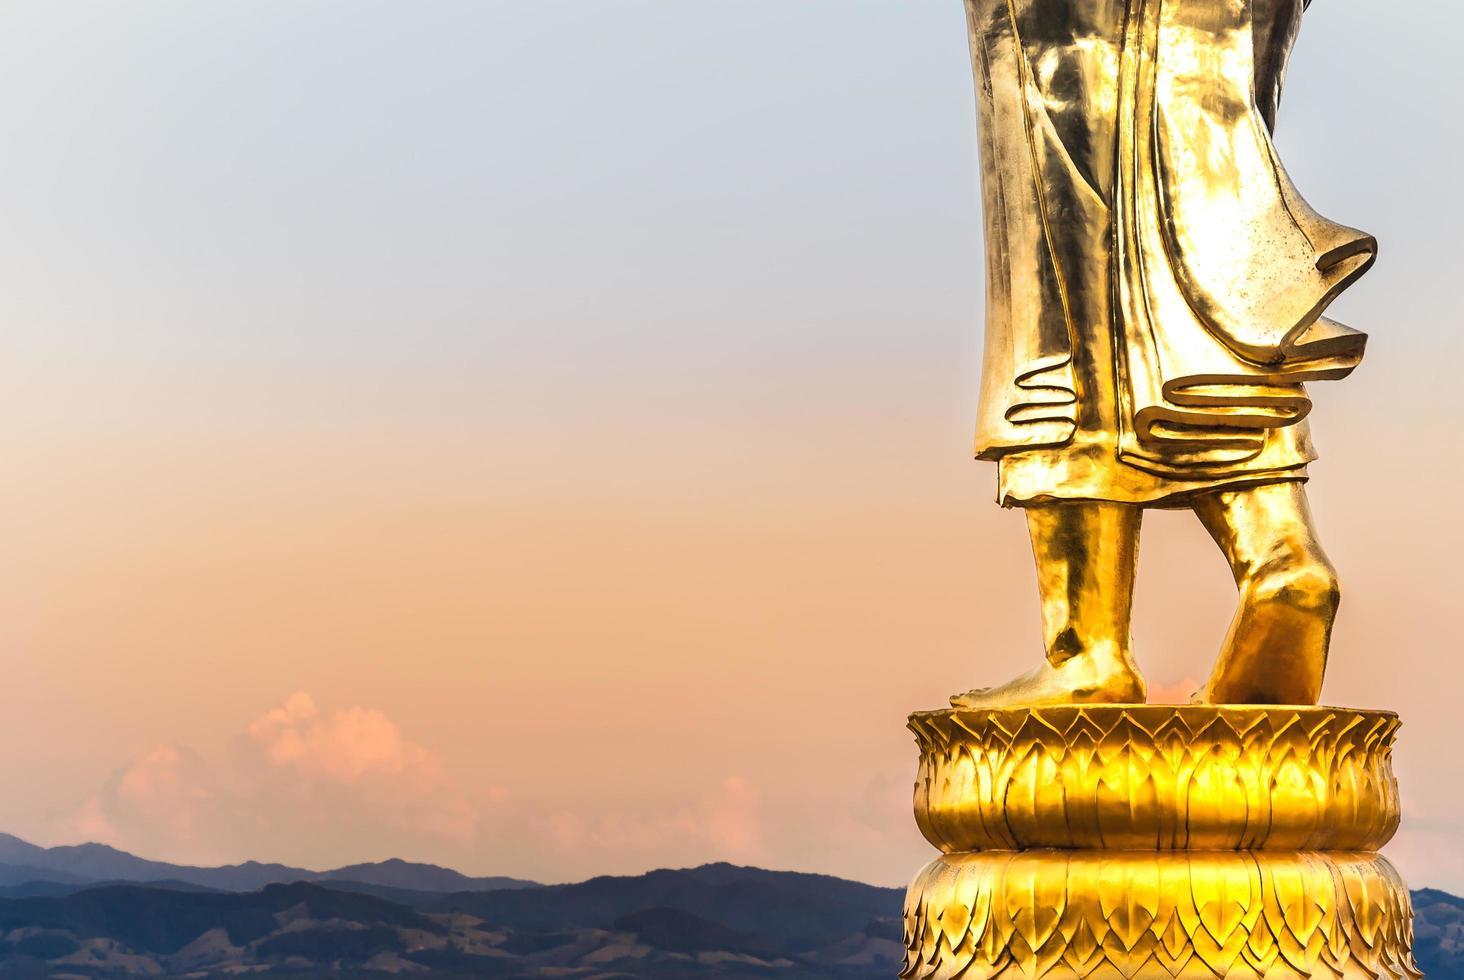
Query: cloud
(318, 786)
(346, 747)
(297, 780)
(724, 823)
(733, 819)
(89, 822)
(168, 787)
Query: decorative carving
(1152, 777)
(1190, 916)
(1153, 842)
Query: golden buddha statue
(1155, 291)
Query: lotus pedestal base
(1151, 842)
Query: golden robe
(1155, 282)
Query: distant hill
(796, 912)
(1438, 934)
(22, 863)
(716, 922)
(681, 931)
(18, 874)
(57, 889)
(807, 928)
(157, 920)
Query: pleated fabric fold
(1155, 281)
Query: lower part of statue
(1087, 556)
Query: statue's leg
(1276, 652)
(1086, 555)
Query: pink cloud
(732, 816)
(166, 786)
(295, 774)
(89, 822)
(348, 746)
(722, 823)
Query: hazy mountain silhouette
(1438, 934)
(157, 920)
(681, 931)
(716, 922)
(795, 911)
(19, 874)
(22, 862)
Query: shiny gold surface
(1152, 777)
(1157, 842)
(1276, 650)
(1155, 291)
(1158, 915)
(1087, 553)
(1156, 282)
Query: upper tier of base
(1156, 777)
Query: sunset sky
(533, 436)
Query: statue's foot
(1244, 682)
(1084, 679)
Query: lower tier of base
(1144, 915)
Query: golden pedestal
(1127, 842)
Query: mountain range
(22, 863)
(715, 922)
(83, 918)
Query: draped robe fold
(1155, 283)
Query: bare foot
(1084, 679)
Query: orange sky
(491, 441)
